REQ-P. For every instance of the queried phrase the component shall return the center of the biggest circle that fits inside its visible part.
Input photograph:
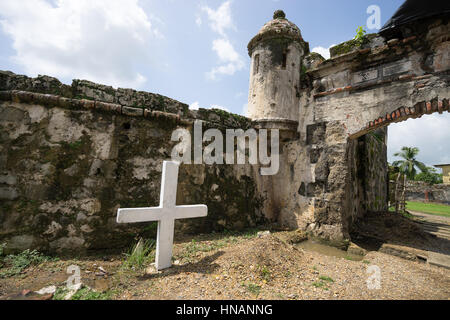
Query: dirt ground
(396, 229)
(245, 266)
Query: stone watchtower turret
(276, 53)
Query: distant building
(445, 172)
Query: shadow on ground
(376, 229)
(205, 266)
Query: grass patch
(252, 288)
(140, 255)
(17, 263)
(320, 284)
(351, 258)
(88, 294)
(60, 293)
(326, 279)
(82, 294)
(265, 273)
(430, 208)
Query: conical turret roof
(279, 27)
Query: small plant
(350, 258)
(252, 288)
(265, 273)
(320, 284)
(360, 37)
(140, 255)
(17, 263)
(89, 294)
(325, 278)
(85, 293)
(60, 293)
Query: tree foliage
(409, 163)
(431, 176)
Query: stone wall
(344, 100)
(67, 164)
(368, 190)
(417, 190)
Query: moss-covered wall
(65, 169)
(368, 187)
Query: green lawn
(431, 208)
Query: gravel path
(267, 269)
(247, 268)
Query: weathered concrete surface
(67, 164)
(276, 52)
(336, 169)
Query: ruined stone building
(70, 155)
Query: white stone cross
(165, 214)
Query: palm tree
(407, 168)
(408, 165)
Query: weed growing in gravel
(17, 263)
(140, 255)
(88, 294)
(60, 293)
(351, 258)
(265, 273)
(320, 284)
(325, 278)
(82, 294)
(252, 288)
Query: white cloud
(100, 40)
(215, 106)
(431, 134)
(225, 51)
(230, 59)
(324, 52)
(220, 19)
(194, 106)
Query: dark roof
(441, 165)
(413, 10)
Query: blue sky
(194, 51)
